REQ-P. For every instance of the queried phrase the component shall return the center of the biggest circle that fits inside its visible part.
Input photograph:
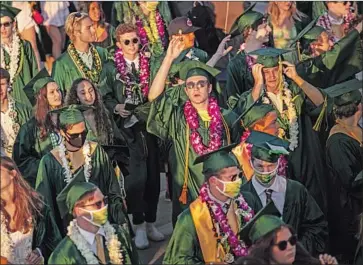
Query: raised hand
(326, 259)
(176, 46)
(222, 51)
(257, 74)
(289, 70)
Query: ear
(210, 88)
(118, 44)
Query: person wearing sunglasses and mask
(189, 117)
(17, 55)
(208, 231)
(276, 242)
(126, 96)
(82, 58)
(77, 157)
(91, 238)
(255, 35)
(295, 204)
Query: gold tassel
(321, 115)
(280, 84)
(184, 193)
(299, 51)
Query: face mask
(264, 177)
(77, 140)
(98, 217)
(230, 188)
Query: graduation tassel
(184, 194)
(321, 115)
(281, 79)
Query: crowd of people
(258, 129)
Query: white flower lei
(8, 145)
(7, 245)
(286, 96)
(14, 57)
(112, 243)
(86, 150)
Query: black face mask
(77, 139)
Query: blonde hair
(73, 23)
(274, 12)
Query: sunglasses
(134, 41)
(76, 135)
(282, 245)
(6, 24)
(98, 204)
(200, 84)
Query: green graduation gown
(336, 65)
(303, 214)
(50, 182)
(65, 71)
(28, 69)
(29, 148)
(24, 113)
(166, 121)
(344, 160)
(68, 253)
(184, 246)
(306, 162)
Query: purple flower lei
(238, 247)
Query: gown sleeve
(57, 69)
(183, 247)
(313, 227)
(126, 242)
(24, 154)
(34, 65)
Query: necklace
(92, 74)
(13, 67)
(67, 163)
(113, 244)
(8, 143)
(215, 127)
(125, 75)
(237, 247)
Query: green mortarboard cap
(218, 159)
(193, 68)
(247, 18)
(71, 193)
(41, 82)
(8, 11)
(268, 57)
(345, 93)
(267, 147)
(30, 90)
(249, 230)
(310, 32)
(254, 114)
(71, 114)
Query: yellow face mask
(98, 217)
(231, 189)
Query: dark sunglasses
(6, 24)
(200, 84)
(98, 204)
(76, 135)
(282, 245)
(134, 41)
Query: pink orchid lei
(125, 76)
(215, 128)
(161, 28)
(281, 162)
(237, 246)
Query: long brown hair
(27, 201)
(274, 12)
(103, 123)
(42, 109)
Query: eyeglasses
(282, 245)
(6, 24)
(200, 84)
(134, 41)
(76, 135)
(98, 204)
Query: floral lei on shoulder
(16, 57)
(13, 114)
(92, 74)
(114, 248)
(325, 22)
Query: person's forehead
(128, 35)
(84, 85)
(86, 22)
(196, 78)
(270, 69)
(6, 19)
(77, 128)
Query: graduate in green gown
(297, 207)
(145, 15)
(324, 63)
(29, 233)
(250, 24)
(36, 137)
(81, 59)
(17, 56)
(13, 114)
(91, 238)
(294, 99)
(77, 157)
(208, 231)
(190, 118)
(344, 154)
